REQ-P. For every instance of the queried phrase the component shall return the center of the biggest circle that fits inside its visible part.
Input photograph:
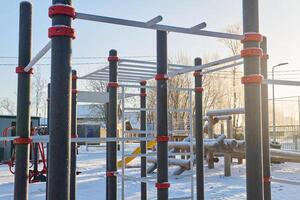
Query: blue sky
(278, 20)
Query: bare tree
(39, 86)
(7, 107)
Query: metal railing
(287, 135)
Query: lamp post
(273, 94)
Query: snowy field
(91, 182)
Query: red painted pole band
(265, 56)
(62, 10)
(143, 82)
(113, 58)
(112, 173)
(22, 140)
(112, 85)
(61, 31)
(199, 89)
(160, 77)
(253, 51)
(143, 94)
(74, 77)
(266, 179)
(197, 74)
(252, 37)
(74, 135)
(162, 185)
(163, 138)
(20, 69)
(252, 79)
(74, 91)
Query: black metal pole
(48, 130)
(61, 34)
(265, 123)
(107, 126)
(111, 159)
(143, 144)
(199, 131)
(23, 103)
(252, 80)
(73, 135)
(162, 184)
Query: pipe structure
(23, 104)
(111, 147)
(265, 123)
(48, 130)
(222, 112)
(227, 156)
(73, 135)
(199, 132)
(143, 144)
(252, 93)
(162, 184)
(60, 109)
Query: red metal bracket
(197, 74)
(66, 31)
(199, 89)
(252, 79)
(74, 91)
(113, 58)
(252, 51)
(20, 70)
(22, 140)
(110, 174)
(161, 77)
(162, 138)
(143, 82)
(265, 56)
(252, 37)
(62, 10)
(162, 185)
(74, 77)
(112, 85)
(143, 94)
(74, 135)
(266, 179)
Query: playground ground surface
(91, 182)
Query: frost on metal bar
(204, 66)
(38, 56)
(282, 82)
(138, 24)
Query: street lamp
(273, 93)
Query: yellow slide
(128, 159)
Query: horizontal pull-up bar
(221, 112)
(193, 31)
(282, 82)
(204, 66)
(151, 64)
(224, 67)
(38, 56)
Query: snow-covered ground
(91, 182)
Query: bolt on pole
(23, 103)
(199, 131)
(162, 184)
(60, 109)
(73, 135)
(111, 147)
(143, 144)
(252, 80)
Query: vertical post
(61, 34)
(265, 123)
(143, 144)
(252, 80)
(162, 184)
(199, 131)
(48, 130)
(210, 130)
(73, 135)
(107, 124)
(227, 156)
(111, 147)
(23, 103)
